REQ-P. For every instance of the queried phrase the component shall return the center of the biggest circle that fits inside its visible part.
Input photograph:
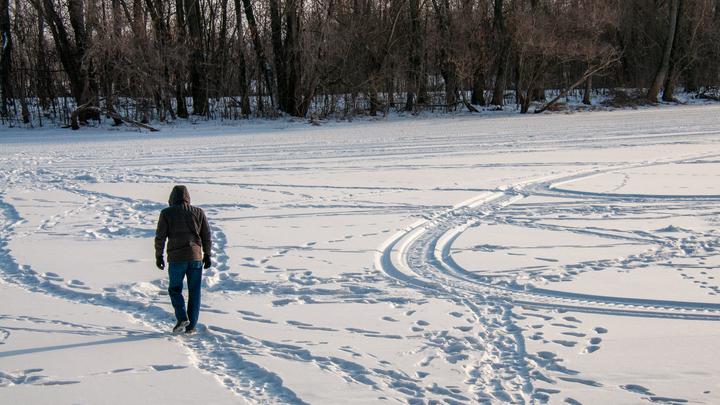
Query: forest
(73, 61)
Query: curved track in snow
(421, 256)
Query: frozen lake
(560, 259)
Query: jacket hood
(179, 195)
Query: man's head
(179, 195)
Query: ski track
(497, 368)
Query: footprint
(575, 334)
(669, 401)
(600, 330)
(248, 313)
(638, 389)
(259, 320)
(590, 383)
(78, 285)
(595, 341)
(591, 349)
(565, 343)
(52, 276)
(167, 367)
(29, 377)
(562, 325)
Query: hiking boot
(180, 325)
(189, 331)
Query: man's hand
(160, 263)
(207, 262)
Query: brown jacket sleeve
(161, 233)
(205, 236)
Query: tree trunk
(287, 60)
(22, 95)
(162, 91)
(70, 58)
(181, 107)
(279, 53)
(242, 68)
(81, 20)
(43, 84)
(221, 53)
(259, 51)
(662, 71)
(448, 67)
(588, 91)
(198, 84)
(588, 73)
(669, 90)
(415, 60)
(502, 61)
(5, 58)
(478, 92)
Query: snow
(556, 258)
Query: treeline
(162, 60)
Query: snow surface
(561, 259)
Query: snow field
(548, 259)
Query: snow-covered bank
(533, 259)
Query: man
(188, 233)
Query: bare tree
(662, 70)
(502, 41)
(5, 58)
(242, 68)
(198, 85)
(262, 60)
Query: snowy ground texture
(560, 259)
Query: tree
(242, 68)
(662, 70)
(260, 54)
(198, 85)
(5, 57)
(416, 82)
(502, 42)
(447, 59)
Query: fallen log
(111, 114)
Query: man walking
(188, 234)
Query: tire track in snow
(420, 254)
(420, 257)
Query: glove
(207, 262)
(160, 263)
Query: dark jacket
(185, 227)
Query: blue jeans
(177, 272)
